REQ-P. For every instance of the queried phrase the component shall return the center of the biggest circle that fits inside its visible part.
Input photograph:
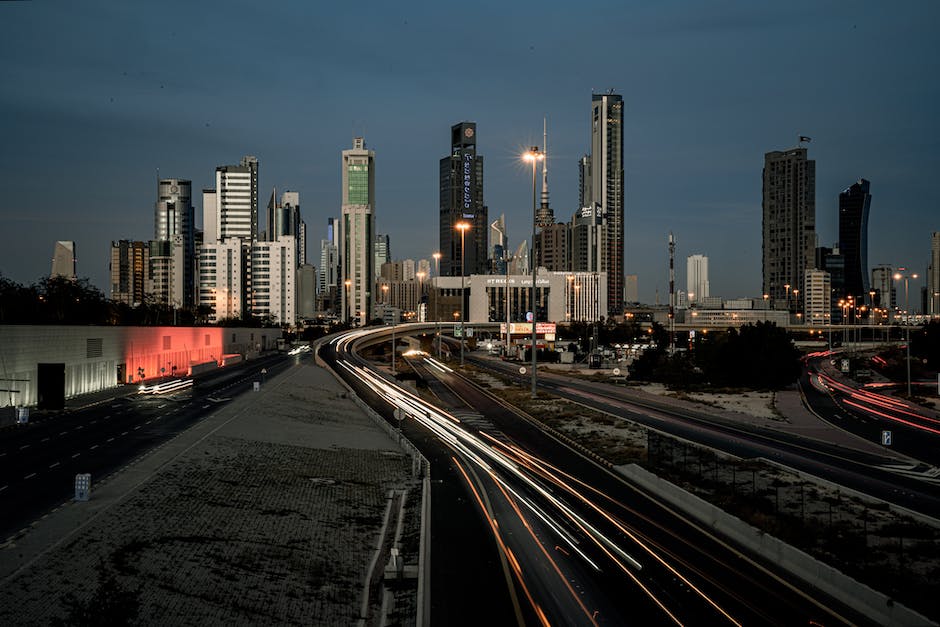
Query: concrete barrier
(877, 606)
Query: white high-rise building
(63, 260)
(696, 279)
(174, 248)
(273, 278)
(357, 230)
(882, 281)
(222, 278)
(236, 192)
(817, 295)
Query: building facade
(357, 231)
(607, 188)
(933, 276)
(236, 202)
(130, 271)
(882, 282)
(273, 279)
(173, 253)
(696, 278)
(63, 260)
(222, 270)
(854, 204)
(789, 221)
(817, 297)
(461, 200)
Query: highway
(576, 544)
(880, 476)
(39, 460)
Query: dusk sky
(97, 96)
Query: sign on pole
(886, 438)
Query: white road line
(125, 433)
(2, 454)
(24, 446)
(79, 427)
(93, 422)
(30, 475)
(3, 488)
(44, 440)
(53, 465)
(137, 427)
(75, 455)
(148, 422)
(92, 447)
(110, 439)
(62, 432)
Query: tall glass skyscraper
(461, 176)
(607, 188)
(854, 204)
(357, 232)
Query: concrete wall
(95, 356)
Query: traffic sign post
(886, 438)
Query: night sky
(97, 96)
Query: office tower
(607, 188)
(882, 282)
(933, 276)
(789, 220)
(301, 241)
(328, 275)
(222, 270)
(854, 204)
(696, 278)
(357, 231)
(63, 260)
(631, 290)
(236, 206)
(585, 182)
(817, 295)
(423, 269)
(461, 200)
(273, 276)
(588, 240)
(284, 219)
(130, 266)
(552, 247)
(306, 292)
(382, 251)
(174, 249)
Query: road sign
(458, 330)
(886, 438)
(82, 487)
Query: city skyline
(104, 113)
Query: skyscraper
(329, 279)
(63, 260)
(382, 251)
(545, 217)
(607, 188)
(357, 229)
(696, 278)
(461, 199)
(854, 204)
(284, 219)
(933, 276)
(130, 270)
(789, 221)
(236, 189)
(882, 281)
(173, 255)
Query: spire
(546, 217)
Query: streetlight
(462, 227)
(907, 315)
(348, 311)
(437, 301)
(534, 155)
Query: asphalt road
(583, 546)
(39, 460)
(870, 474)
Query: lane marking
(30, 475)
(93, 447)
(110, 439)
(44, 440)
(79, 427)
(62, 432)
(137, 427)
(24, 446)
(75, 455)
(125, 433)
(3, 488)
(53, 465)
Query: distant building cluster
(234, 269)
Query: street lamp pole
(462, 227)
(437, 301)
(907, 325)
(348, 315)
(534, 155)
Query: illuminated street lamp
(534, 155)
(347, 313)
(462, 227)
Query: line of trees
(57, 300)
